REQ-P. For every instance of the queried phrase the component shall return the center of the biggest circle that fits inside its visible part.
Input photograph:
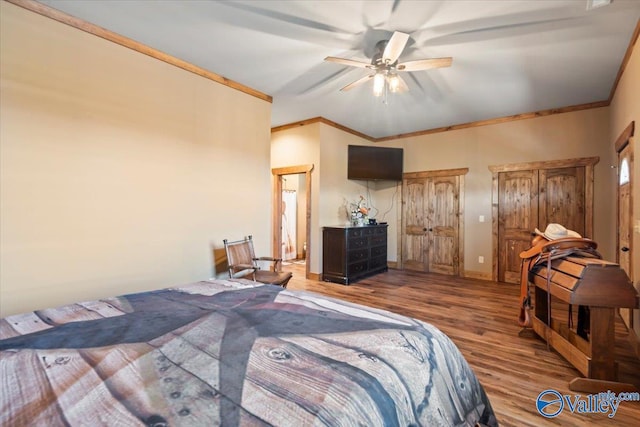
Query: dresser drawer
(377, 262)
(377, 251)
(360, 232)
(380, 230)
(357, 255)
(357, 268)
(378, 240)
(357, 243)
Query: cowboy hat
(556, 231)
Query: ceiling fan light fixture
(394, 83)
(378, 84)
(385, 66)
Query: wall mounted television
(368, 163)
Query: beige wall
(115, 167)
(625, 108)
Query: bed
(232, 353)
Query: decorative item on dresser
(352, 253)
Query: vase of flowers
(359, 212)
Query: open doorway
(294, 245)
(292, 215)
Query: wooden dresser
(350, 253)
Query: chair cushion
(273, 277)
(243, 273)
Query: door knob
(624, 249)
(431, 229)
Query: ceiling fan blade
(424, 64)
(349, 62)
(395, 47)
(265, 18)
(357, 82)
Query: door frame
(460, 173)
(587, 162)
(276, 241)
(624, 140)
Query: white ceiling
(509, 57)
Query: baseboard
(393, 264)
(477, 275)
(318, 276)
(315, 276)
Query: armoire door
(431, 237)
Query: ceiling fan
(385, 66)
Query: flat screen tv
(374, 163)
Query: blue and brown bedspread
(231, 353)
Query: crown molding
(103, 33)
(625, 60)
(478, 123)
(326, 122)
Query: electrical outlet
(481, 259)
(481, 218)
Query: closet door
(517, 218)
(414, 234)
(443, 208)
(562, 198)
(527, 196)
(432, 223)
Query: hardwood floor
(480, 317)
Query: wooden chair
(243, 263)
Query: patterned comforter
(230, 353)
